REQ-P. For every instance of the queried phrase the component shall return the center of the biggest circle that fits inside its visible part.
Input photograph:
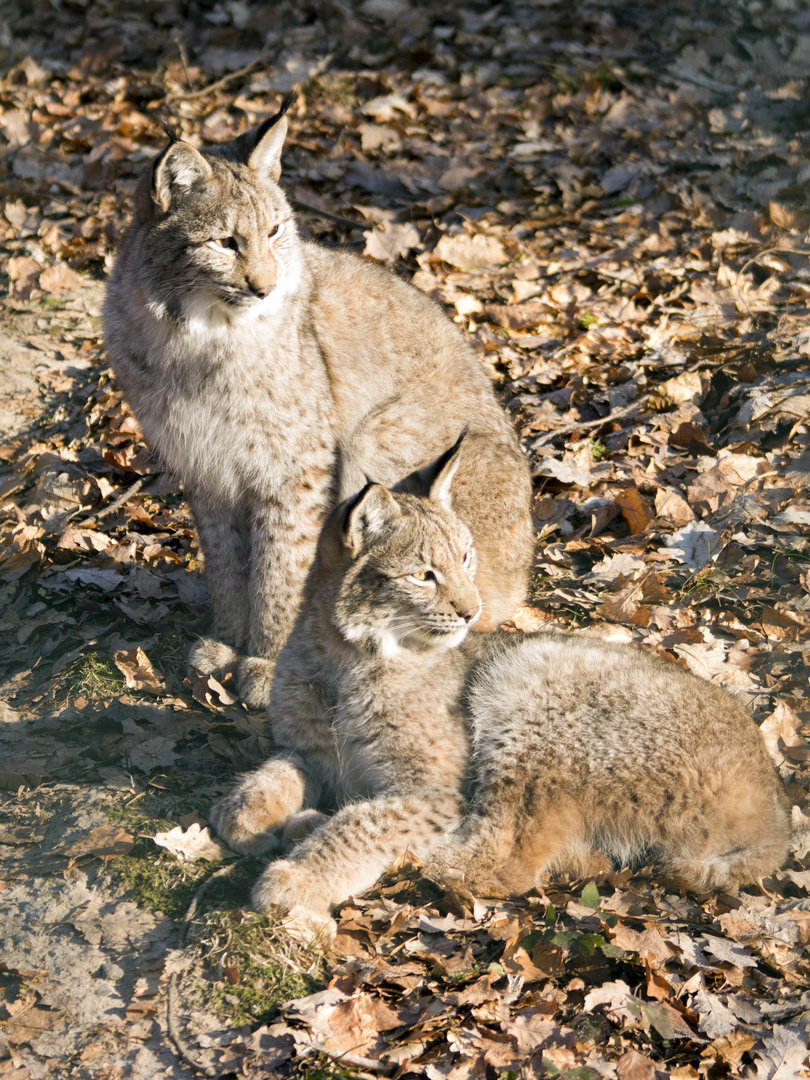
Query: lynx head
(217, 239)
(408, 578)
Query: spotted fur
(272, 376)
(562, 752)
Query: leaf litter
(612, 202)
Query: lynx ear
(373, 509)
(178, 168)
(266, 156)
(436, 478)
(261, 148)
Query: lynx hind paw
(456, 867)
(287, 887)
(212, 657)
(254, 680)
(300, 826)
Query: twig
(347, 1058)
(183, 58)
(617, 415)
(190, 95)
(174, 1030)
(347, 222)
(119, 502)
(172, 1023)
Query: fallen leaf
(103, 842)
(193, 844)
(475, 252)
(694, 545)
(636, 510)
(138, 672)
(60, 279)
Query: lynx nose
(260, 288)
(471, 614)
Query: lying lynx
(578, 744)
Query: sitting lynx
(578, 744)
(272, 375)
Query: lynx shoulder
(271, 376)
(498, 758)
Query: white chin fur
(422, 640)
(207, 310)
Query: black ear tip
(168, 128)
(287, 102)
(282, 110)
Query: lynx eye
(465, 562)
(276, 231)
(422, 577)
(226, 244)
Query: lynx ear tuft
(369, 513)
(435, 479)
(177, 169)
(261, 148)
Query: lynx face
(221, 243)
(410, 584)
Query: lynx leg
(224, 544)
(741, 836)
(247, 817)
(500, 853)
(283, 539)
(350, 851)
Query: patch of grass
(704, 581)
(169, 654)
(574, 613)
(321, 1067)
(92, 675)
(586, 320)
(598, 449)
(156, 880)
(256, 966)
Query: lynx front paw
(289, 887)
(247, 817)
(254, 680)
(241, 821)
(212, 657)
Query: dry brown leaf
(626, 599)
(687, 387)
(782, 626)
(205, 688)
(636, 509)
(138, 672)
(475, 252)
(672, 506)
(60, 279)
(635, 1066)
(103, 842)
(781, 730)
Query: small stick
(617, 415)
(119, 502)
(172, 1023)
(328, 215)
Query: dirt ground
(611, 198)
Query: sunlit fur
(271, 376)
(571, 753)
